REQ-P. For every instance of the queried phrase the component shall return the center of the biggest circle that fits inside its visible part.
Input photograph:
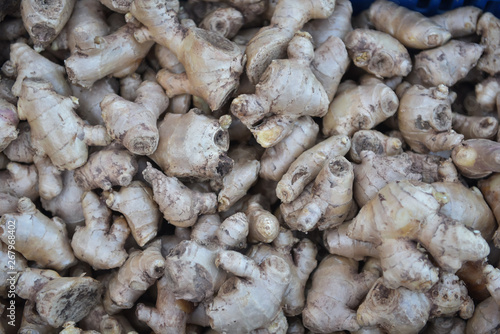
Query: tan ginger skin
(276, 103)
(324, 203)
(180, 205)
(488, 27)
(193, 47)
(136, 203)
(337, 242)
(193, 145)
(13, 259)
(375, 102)
(134, 123)
(258, 289)
(18, 181)
(425, 119)
(65, 145)
(170, 314)
(139, 272)
(58, 299)
(405, 212)
(98, 320)
(375, 141)
(338, 24)
(406, 312)
(477, 158)
(460, 21)
(38, 237)
(45, 20)
(486, 318)
(89, 107)
(30, 64)
(88, 66)
(190, 265)
(308, 165)
(271, 41)
(475, 127)
(447, 64)
(486, 93)
(277, 159)
(101, 241)
(411, 28)
(49, 177)
(490, 188)
(8, 123)
(20, 149)
(301, 258)
(119, 6)
(337, 290)
(225, 21)
(106, 168)
(378, 53)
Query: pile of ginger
(248, 166)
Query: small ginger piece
(488, 27)
(12, 263)
(337, 289)
(337, 242)
(378, 53)
(477, 158)
(271, 112)
(374, 141)
(374, 103)
(30, 64)
(338, 24)
(252, 297)
(490, 188)
(18, 181)
(32, 322)
(225, 21)
(192, 46)
(193, 146)
(134, 123)
(308, 165)
(65, 145)
(58, 299)
(487, 92)
(425, 119)
(100, 243)
(49, 177)
(475, 127)
(190, 265)
(20, 149)
(325, 202)
(8, 123)
(38, 237)
(271, 41)
(277, 159)
(180, 205)
(460, 22)
(447, 64)
(118, 54)
(301, 258)
(135, 276)
(136, 203)
(411, 28)
(486, 318)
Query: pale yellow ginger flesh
(135, 276)
(180, 205)
(277, 159)
(258, 289)
(477, 158)
(100, 242)
(447, 64)
(271, 112)
(193, 145)
(488, 27)
(411, 28)
(325, 202)
(337, 290)
(190, 265)
(359, 107)
(271, 41)
(425, 119)
(214, 82)
(475, 127)
(135, 202)
(38, 238)
(378, 53)
(375, 141)
(406, 212)
(88, 66)
(45, 20)
(225, 21)
(301, 258)
(58, 299)
(461, 21)
(338, 24)
(308, 165)
(107, 168)
(65, 145)
(18, 181)
(8, 123)
(134, 123)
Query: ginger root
(225, 21)
(338, 24)
(488, 27)
(17, 181)
(477, 158)
(460, 22)
(8, 123)
(375, 141)
(475, 127)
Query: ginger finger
(477, 158)
(375, 141)
(17, 181)
(488, 27)
(460, 22)
(225, 21)
(338, 24)
(475, 127)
